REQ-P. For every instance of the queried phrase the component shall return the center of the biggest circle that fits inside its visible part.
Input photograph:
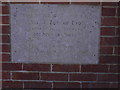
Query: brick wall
(102, 75)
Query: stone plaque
(54, 33)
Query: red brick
(106, 50)
(109, 59)
(119, 21)
(12, 84)
(24, 2)
(42, 2)
(118, 11)
(117, 50)
(5, 29)
(118, 31)
(6, 57)
(1, 37)
(83, 77)
(36, 67)
(5, 19)
(5, 39)
(6, 48)
(95, 85)
(37, 85)
(108, 11)
(5, 10)
(11, 66)
(54, 77)
(94, 68)
(114, 85)
(117, 39)
(25, 76)
(109, 21)
(5, 75)
(108, 77)
(66, 68)
(86, 3)
(109, 3)
(109, 41)
(66, 85)
(0, 57)
(114, 68)
(105, 31)
(6, 3)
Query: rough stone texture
(51, 33)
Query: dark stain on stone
(58, 34)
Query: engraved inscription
(51, 33)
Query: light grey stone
(51, 33)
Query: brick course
(83, 77)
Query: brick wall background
(102, 75)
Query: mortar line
(80, 69)
(39, 75)
(80, 84)
(110, 45)
(109, 26)
(108, 68)
(68, 77)
(109, 55)
(39, 1)
(51, 67)
(116, 12)
(116, 31)
(113, 50)
(110, 36)
(110, 16)
(109, 6)
(4, 53)
(22, 66)
(70, 1)
(69, 72)
(52, 72)
(4, 24)
(10, 75)
(100, 2)
(52, 85)
(23, 85)
(64, 81)
(4, 15)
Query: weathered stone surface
(49, 33)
